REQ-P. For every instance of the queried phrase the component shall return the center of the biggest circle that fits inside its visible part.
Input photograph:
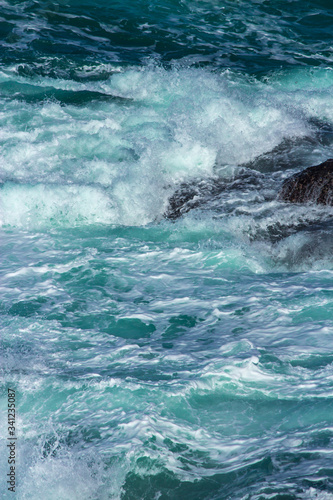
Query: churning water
(156, 356)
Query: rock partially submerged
(192, 195)
(205, 192)
(314, 184)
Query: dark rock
(189, 196)
(314, 184)
(203, 193)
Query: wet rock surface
(208, 192)
(314, 184)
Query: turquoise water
(158, 358)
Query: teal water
(158, 358)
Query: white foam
(177, 125)
(35, 206)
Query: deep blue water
(157, 358)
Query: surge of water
(166, 320)
(61, 161)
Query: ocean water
(160, 356)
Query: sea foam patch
(173, 126)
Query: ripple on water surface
(166, 320)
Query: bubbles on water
(172, 141)
(175, 126)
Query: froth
(173, 126)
